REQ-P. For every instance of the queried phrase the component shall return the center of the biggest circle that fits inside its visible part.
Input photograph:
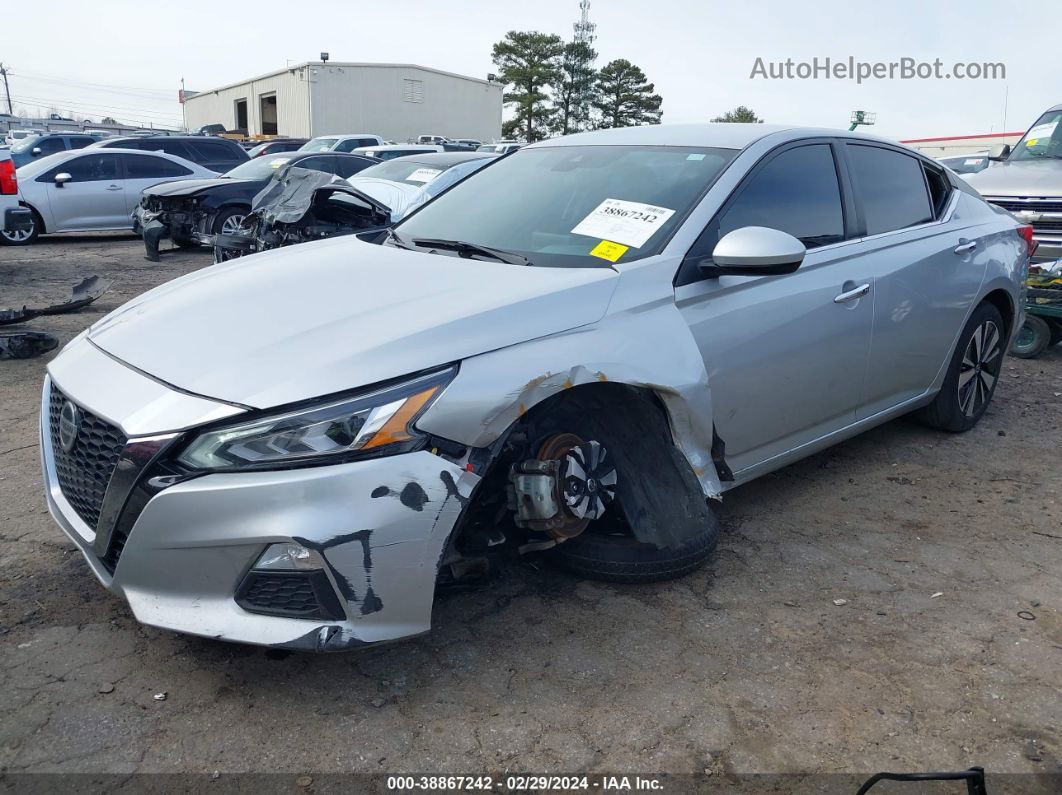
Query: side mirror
(62, 178)
(35, 151)
(999, 152)
(756, 251)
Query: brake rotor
(586, 482)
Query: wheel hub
(570, 484)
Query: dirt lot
(937, 543)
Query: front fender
(649, 347)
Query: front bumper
(194, 541)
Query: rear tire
(972, 374)
(1031, 338)
(21, 238)
(622, 558)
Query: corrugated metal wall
(219, 107)
(400, 102)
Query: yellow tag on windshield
(609, 251)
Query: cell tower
(584, 28)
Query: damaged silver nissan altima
(570, 353)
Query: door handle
(966, 248)
(853, 294)
(114, 187)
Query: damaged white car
(572, 352)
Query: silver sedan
(572, 352)
(92, 190)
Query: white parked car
(405, 183)
(92, 190)
(391, 151)
(14, 136)
(340, 143)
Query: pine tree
(528, 61)
(575, 91)
(625, 98)
(740, 114)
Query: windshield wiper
(471, 249)
(399, 242)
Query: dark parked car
(28, 149)
(275, 146)
(298, 207)
(217, 154)
(192, 211)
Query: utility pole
(7, 91)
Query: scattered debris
(26, 344)
(160, 696)
(1025, 615)
(840, 602)
(377, 702)
(106, 687)
(81, 295)
(303, 781)
(938, 593)
(1032, 752)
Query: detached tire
(622, 558)
(1031, 338)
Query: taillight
(1027, 235)
(8, 180)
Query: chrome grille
(85, 471)
(1036, 205)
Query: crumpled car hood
(1033, 178)
(324, 317)
(189, 187)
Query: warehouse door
(241, 114)
(267, 112)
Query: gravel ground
(936, 542)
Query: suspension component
(570, 484)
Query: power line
(93, 107)
(132, 119)
(101, 86)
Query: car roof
(344, 136)
(717, 135)
(171, 138)
(443, 159)
(393, 147)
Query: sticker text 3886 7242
(629, 223)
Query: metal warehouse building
(395, 101)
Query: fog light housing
(290, 581)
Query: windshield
(573, 206)
(406, 170)
(1044, 139)
(318, 145)
(260, 167)
(26, 144)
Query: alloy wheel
(18, 236)
(232, 224)
(979, 370)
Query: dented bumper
(380, 526)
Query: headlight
(376, 423)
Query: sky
(126, 59)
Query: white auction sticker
(424, 175)
(629, 223)
(972, 161)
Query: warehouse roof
(330, 64)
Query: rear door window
(324, 163)
(349, 166)
(891, 188)
(214, 152)
(148, 167)
(80, 141)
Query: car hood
(189, 187)
(324, 317)
(1026, 178)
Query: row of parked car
(74, 182)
